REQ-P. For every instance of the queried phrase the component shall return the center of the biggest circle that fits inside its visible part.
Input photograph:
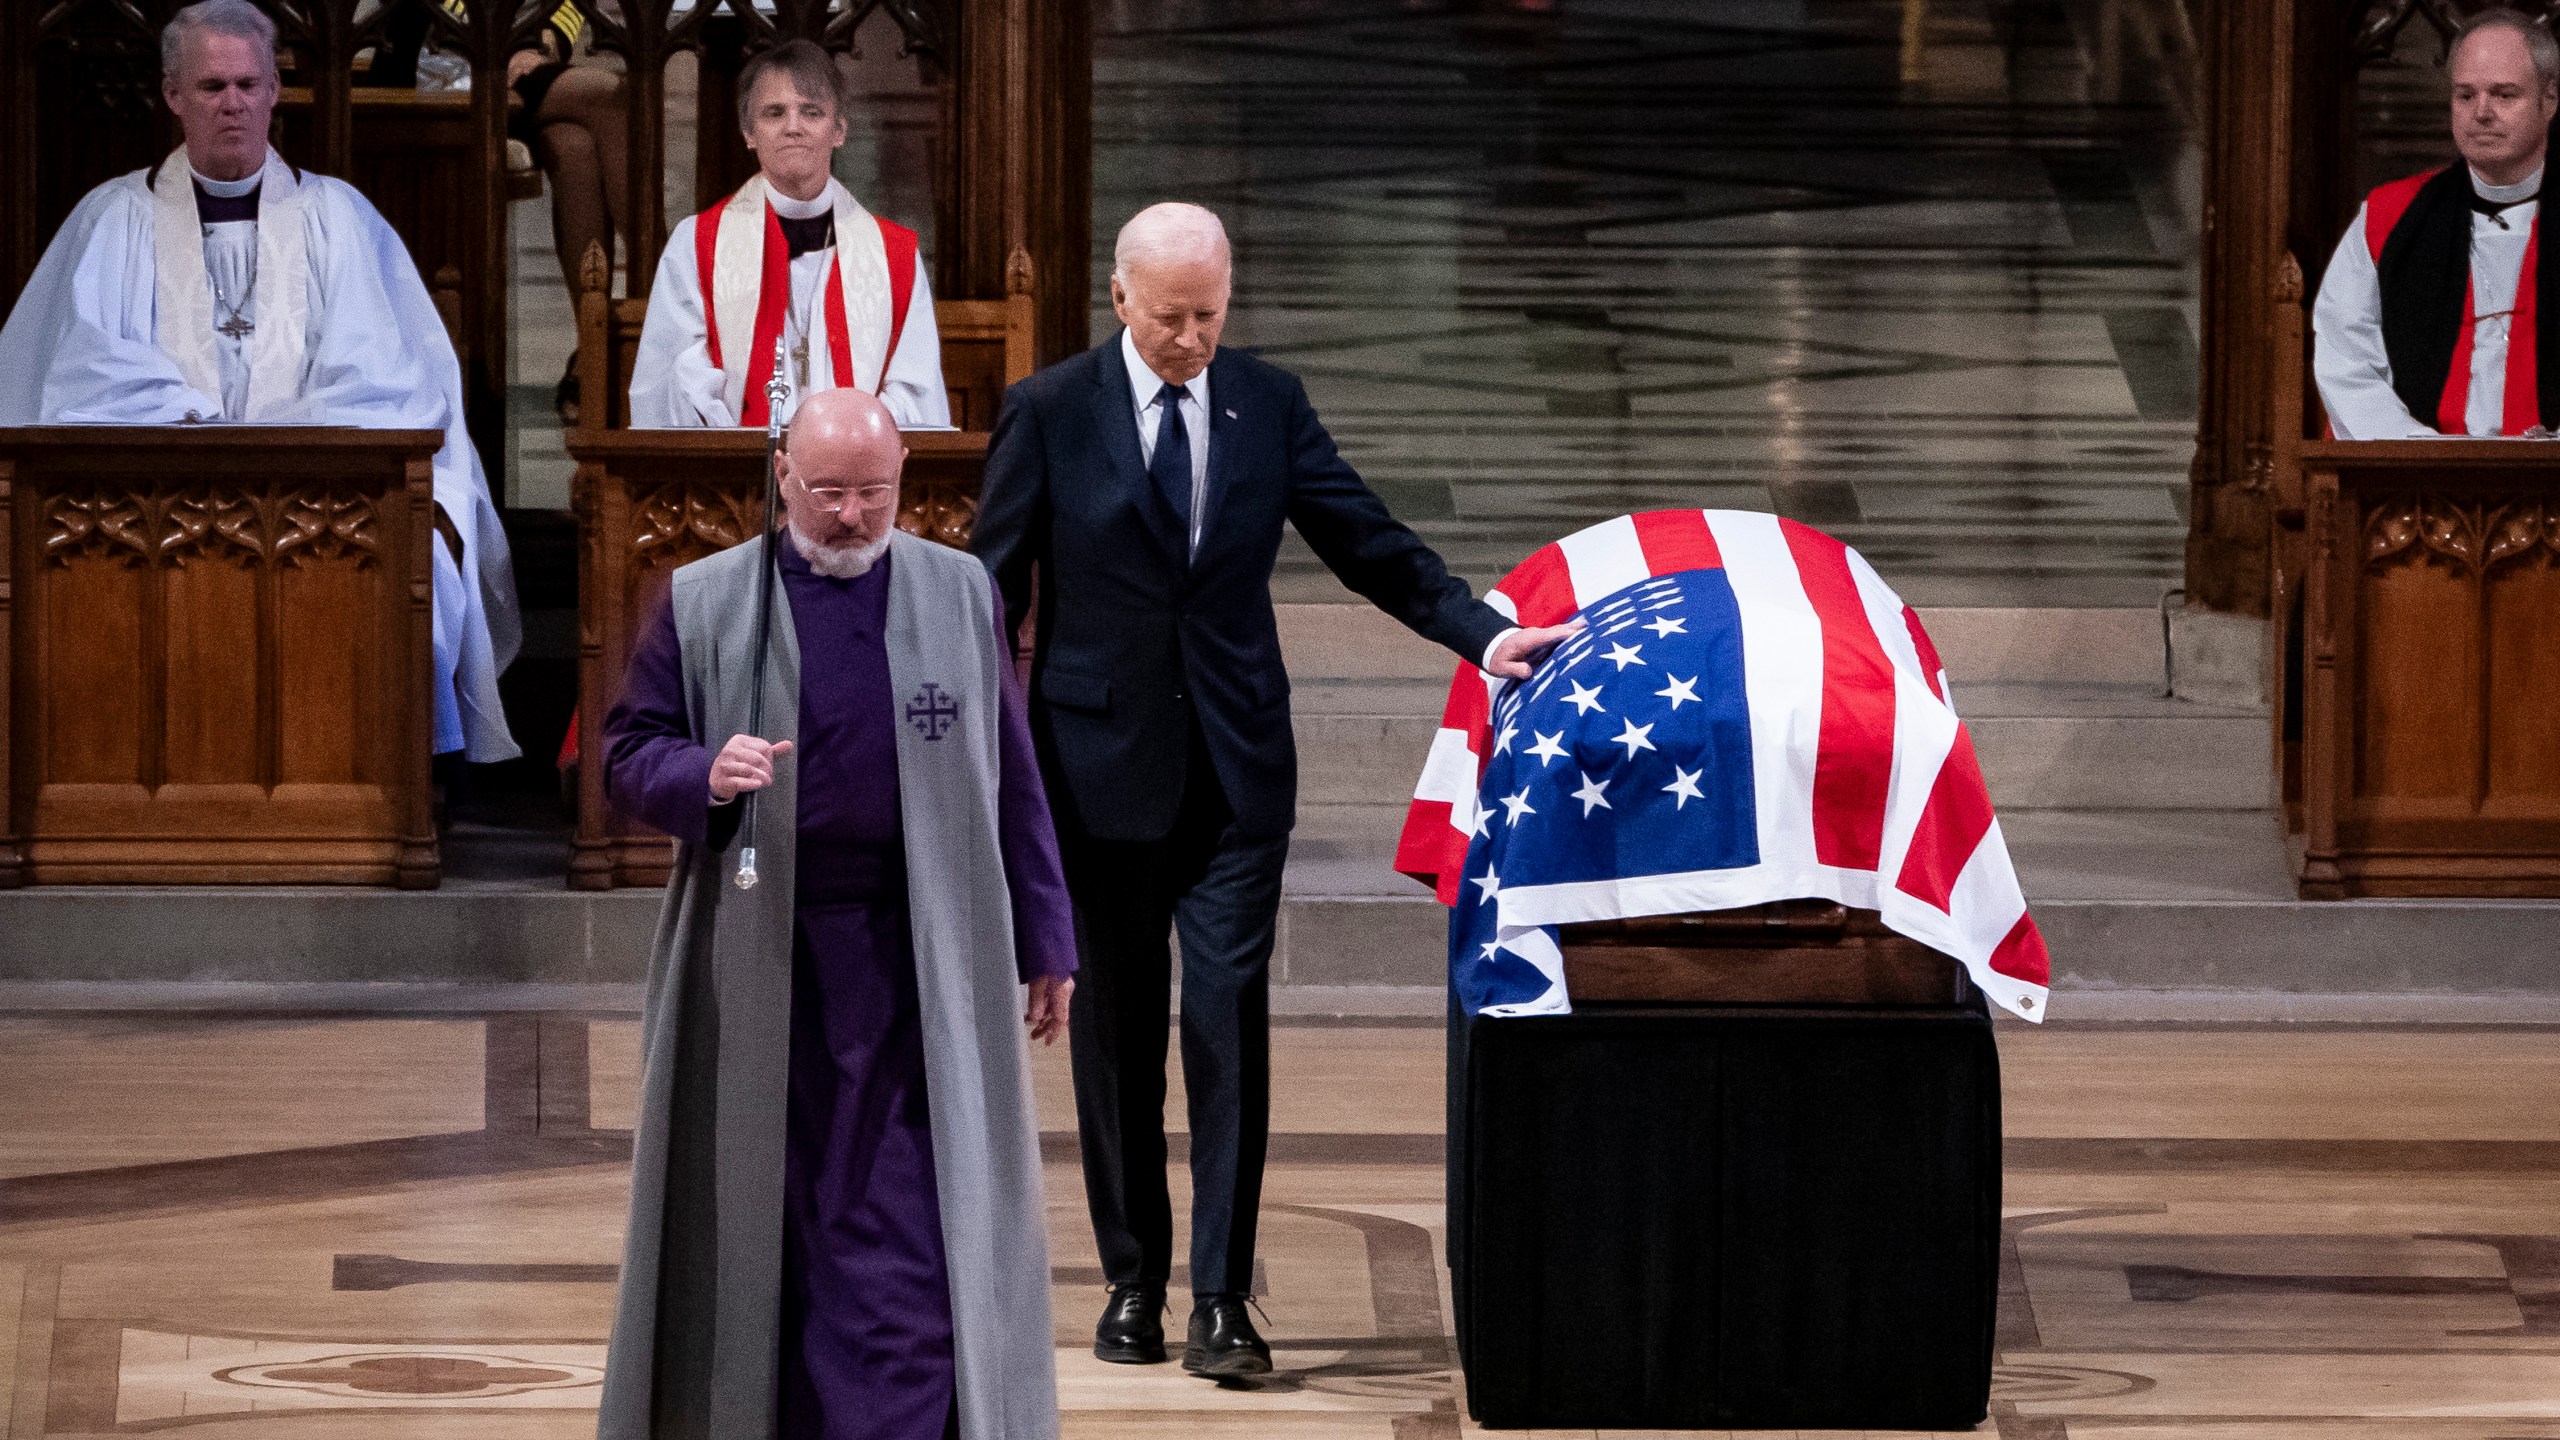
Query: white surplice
(674, 383)
(2347, 356)
(119, 325)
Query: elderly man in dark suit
(1134, 495)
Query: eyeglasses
(835, 497)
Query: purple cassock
(866, 1322)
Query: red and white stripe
(1868, 788)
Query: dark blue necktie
(1171, 466)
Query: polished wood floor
(406, 1228)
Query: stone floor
(270, 1227)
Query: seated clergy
(791, 256)
(225, 285)
(2430, 320)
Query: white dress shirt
(2348, 359)
(1147, 388)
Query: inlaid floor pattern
(277, 1227)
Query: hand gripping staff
(776, 390)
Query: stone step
(2186, 915)
(2143, 922)
(1977, 645)
(2149, 914)
(2066, 708)
(2041, 747)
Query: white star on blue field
(1627, 754)
(1627, 726)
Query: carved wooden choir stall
(2412, 587)
(217, 655)
(250, 708)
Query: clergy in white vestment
(225, 286)
(2436, 307)
(792, 256)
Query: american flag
(1751, 715)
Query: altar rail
(218, 651)
(650, 500)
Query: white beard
(839, 562)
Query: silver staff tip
(747, 868)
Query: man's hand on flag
(1516, 655)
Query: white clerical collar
(790, 209)
(228, 189)
(1146, 384)
(2524, 189)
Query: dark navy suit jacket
(1134, 644)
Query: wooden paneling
(2431, 593)
(651, 500)
(986, 346)
(218, 655)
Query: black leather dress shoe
(1223, 1343)
(1132, 1328)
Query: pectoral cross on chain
(239, 326)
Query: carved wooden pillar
(1018, 132)
(2270, 102)
(647, 35)
(721, 160)
(489, 35)
(322, 33)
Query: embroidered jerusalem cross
(932, 712)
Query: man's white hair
(236, 18)
(2539, 45)
(1169, 232)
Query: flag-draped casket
(1751, 715)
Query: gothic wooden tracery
(170, 524)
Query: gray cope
(696, 1337)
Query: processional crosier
(776, 390)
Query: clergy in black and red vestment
(836, 1218)
(2436, 308)
(791, 256)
